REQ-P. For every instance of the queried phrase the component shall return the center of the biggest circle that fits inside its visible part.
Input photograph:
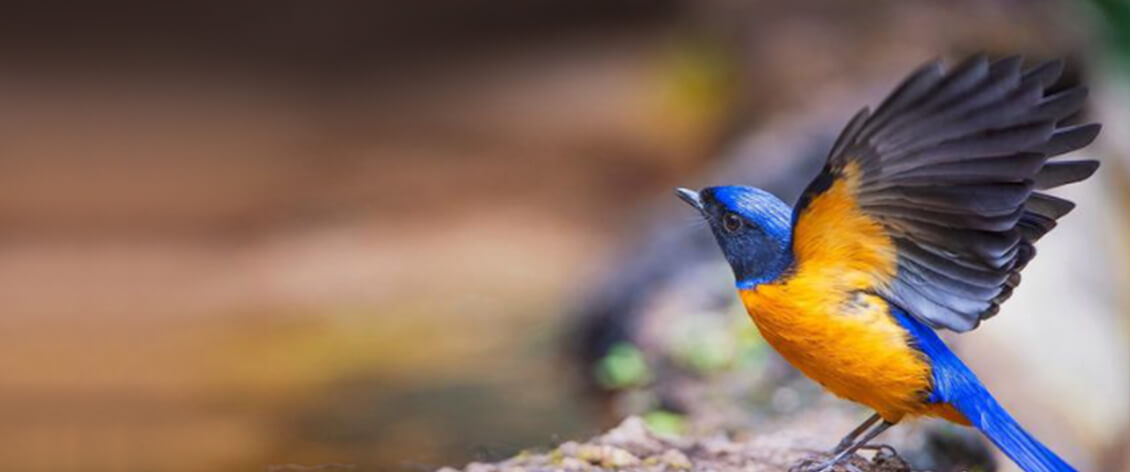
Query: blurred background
(244, 234)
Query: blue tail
(956, 385)
(991, 418)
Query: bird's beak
(689, 196)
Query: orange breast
(822, 319)
(852, 346)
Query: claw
(843, 458)
(815, 465)
(882, 449)
(811, 464)
(824, 467)
(821, 462)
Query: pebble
(480, 467)
(572, 463)
(675, 458)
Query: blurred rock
(632, 447)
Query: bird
(921, 220)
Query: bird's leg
(827, 466)
(848, 440)
(842, 453)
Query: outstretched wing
(941, 185)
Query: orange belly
(850, 346)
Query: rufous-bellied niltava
(922, 219)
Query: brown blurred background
(241, 234)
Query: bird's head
(753, 227)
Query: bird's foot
(881, 449)
(810, 464)
(823, 464)
(886, 457)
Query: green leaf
(623, 367)
(665, 423)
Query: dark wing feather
(1055, 174)
(950, 164)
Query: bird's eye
(731, 222)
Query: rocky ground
(631, 446)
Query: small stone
(606, 456)
(587, 452)
(568, 449)
(616, 457)
(480, 467)
(572, 463)
(634, 436)
(719, 444)
(632, 429)
(675, 459)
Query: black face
(749, 228)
